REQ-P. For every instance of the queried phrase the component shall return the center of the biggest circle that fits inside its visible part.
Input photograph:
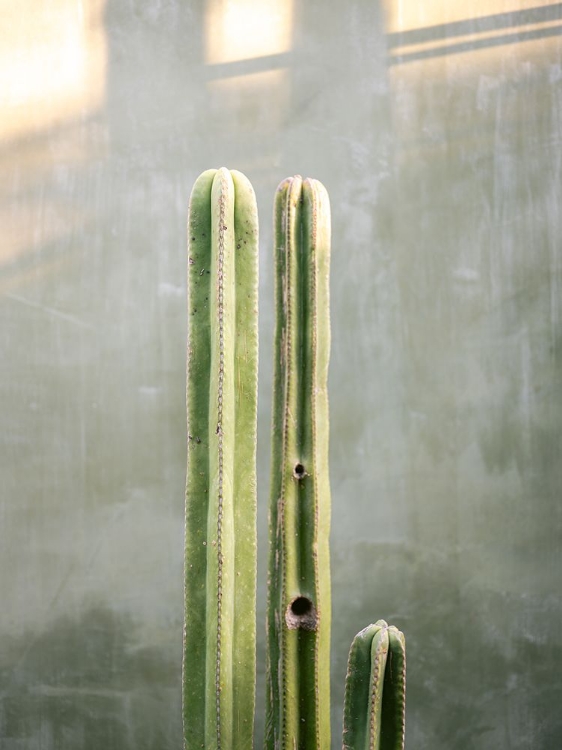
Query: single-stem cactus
(375, 698)
(298, 669)
(220, 540)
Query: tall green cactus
(220, 548)
(375, 697)
(298, 669)
(220, 541)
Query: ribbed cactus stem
(375, 690)
(298, 691)
(220, 539)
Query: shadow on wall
(444, 441)
(476, 678)
(444, 429)
(442, 39)
(84, 683)
(92, 300)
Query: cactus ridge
(395, 686)
(221, 395)
(220, 446)
(299, 596)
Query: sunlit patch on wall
(52, 63)
(245, 29)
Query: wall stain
(86, 683)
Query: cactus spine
(375, 699)
(220, 541)
(298, 691)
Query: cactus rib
(221, 396)
(299, 593)
(374, 708)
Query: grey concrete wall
(437, 131)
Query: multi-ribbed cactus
(219, 650)
(298, 689)
(375, 698)
(220, 552)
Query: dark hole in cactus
(301, 614)
(301, 606)
(298, 471)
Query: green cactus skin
(298, 669)
(220, 537)
(375, 690)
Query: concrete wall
(436, 128)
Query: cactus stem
(374, 707)
(219, 650)
(299, 595)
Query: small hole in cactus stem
(301, 614)
(298, 471)
(301, 606)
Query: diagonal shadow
(476, 44)
(494, 22)
(448, 32)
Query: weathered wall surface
(437, 129)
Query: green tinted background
(437, 130)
